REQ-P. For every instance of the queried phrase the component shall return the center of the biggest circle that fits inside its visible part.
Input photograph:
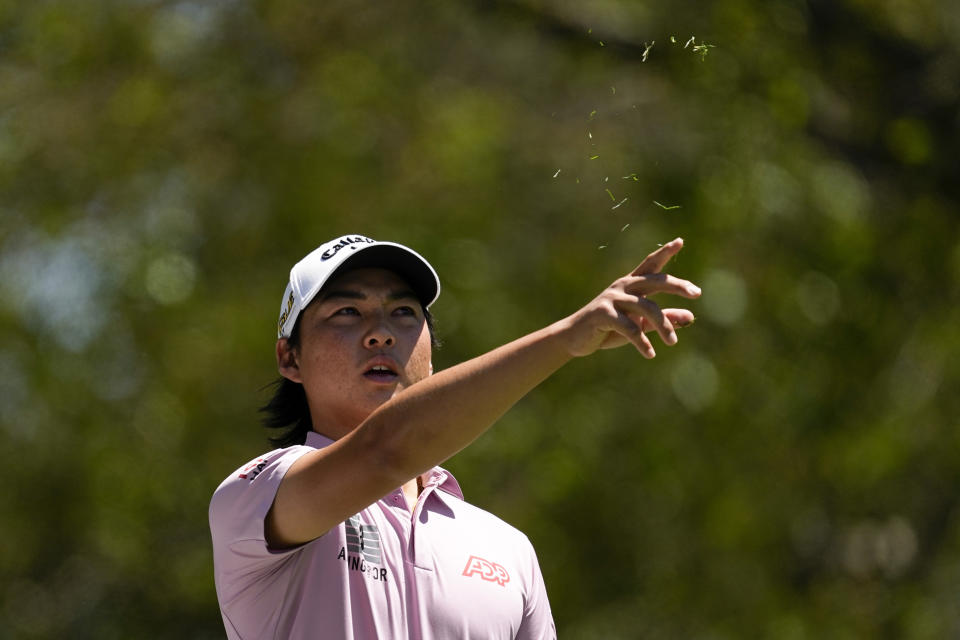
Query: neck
(411, 491)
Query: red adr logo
(489, 571)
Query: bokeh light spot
(726, 298)
(818, 297)
(695, 381)
(170, 278)
(840, 192)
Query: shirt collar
(438, 476)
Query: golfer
(351, 530)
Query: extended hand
(623, 313)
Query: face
(362, 340)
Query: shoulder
(253, 485)
(263, 465)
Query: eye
(346, 311)
(405, 311)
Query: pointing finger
(654, 262)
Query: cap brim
(406, 264)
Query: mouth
(381, 373)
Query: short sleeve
(537, 621)
(237, 513)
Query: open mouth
(380, 373)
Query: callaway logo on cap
(352, 252)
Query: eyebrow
(352, 294)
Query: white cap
(354, 252)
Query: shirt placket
(397, 512)
(421, 549)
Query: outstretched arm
(437, 417)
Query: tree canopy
(786, 471)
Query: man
(355, 532)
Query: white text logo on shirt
(489, 571)
(363, 549)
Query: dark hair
(287, 413)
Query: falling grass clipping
(701, 49)
(646, 50)
(667, 207)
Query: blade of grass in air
(702, 49)
(646, 50)
(665, 207)
(611, 195)
(557, 173)
(618, 204)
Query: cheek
(317, 377)
(421, 358)
(322, 364)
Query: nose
(379, 335)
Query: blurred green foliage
(787, 471)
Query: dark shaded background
(788, 471)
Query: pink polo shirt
(448, 570)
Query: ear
(287, 362)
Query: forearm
(437, 417)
